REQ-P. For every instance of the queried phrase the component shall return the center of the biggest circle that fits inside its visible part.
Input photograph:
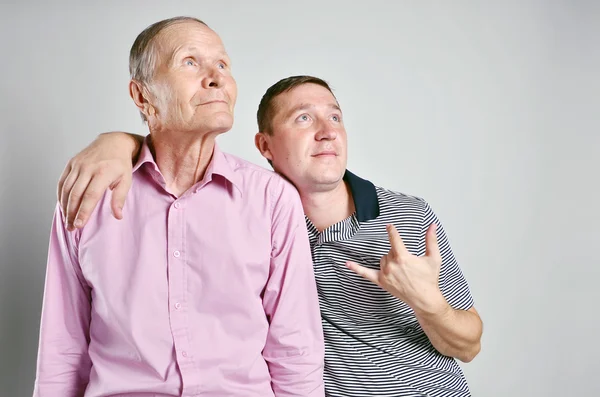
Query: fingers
(65, 191)
(74, 199)
(432, 248)
(83, 202)
(384, 265)
(118, 196)
(398, 249)
(62, 179)
(370, 274)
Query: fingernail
(78, 222)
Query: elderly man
(206, 287)
(396, 330)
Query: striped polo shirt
(374, 345)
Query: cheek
(232, 91)
(283, 152)
(298, 155)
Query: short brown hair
(142, 56)
(266, 108)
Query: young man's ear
(140, 95)
(262, 142)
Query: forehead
(309, 93)
(188, 35)
(301, 98)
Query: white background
(489, 110)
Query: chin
(332, 172)
(219, 123)
(329, 177)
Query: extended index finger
(398, 247)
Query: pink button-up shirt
(208, 294)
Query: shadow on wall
(31, 167)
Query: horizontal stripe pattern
(374, 345)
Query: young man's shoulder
(396, 199)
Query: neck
(182, 158)
(328, 208)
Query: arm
(453, 332)
(294, 349)
(434, 287)
(105, 163)
(448, 317)
(63, 365)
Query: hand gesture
(413, 279)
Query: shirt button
(177, 306)
(177, 205)
(184, 353)
(176, 254)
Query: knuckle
(72, 163)
(91, 194)
(74, 196)
(103, 168)
(89, 169)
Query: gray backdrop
(489, 110)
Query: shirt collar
(145, 156)
(219, 165)
(364, 195)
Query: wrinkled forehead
(188, 34)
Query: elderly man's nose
(213, 79)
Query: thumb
(370, 274)
(119, 195)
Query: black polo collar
(364, 196)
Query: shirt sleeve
(63, 365)
(294, 349)
(453, 285)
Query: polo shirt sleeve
(452, 282)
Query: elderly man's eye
(189, 62)
(222, 65)
(336, 118)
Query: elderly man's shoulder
(258, 178)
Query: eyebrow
(306, 106)
(176, 52)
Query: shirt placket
(178, 298)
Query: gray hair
(143, 54)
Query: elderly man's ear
(140, 95)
